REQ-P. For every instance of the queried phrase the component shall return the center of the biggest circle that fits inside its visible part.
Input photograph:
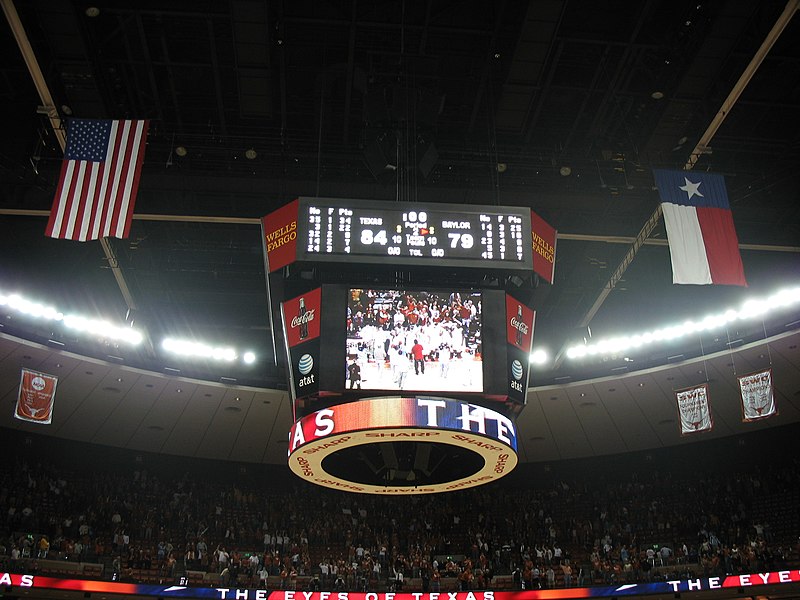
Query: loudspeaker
(428, 156)
(380, 155)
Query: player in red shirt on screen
(419, 358)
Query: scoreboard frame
(413, 234)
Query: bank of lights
(192, 349)
(100, 328)
(750, 310)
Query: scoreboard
(454, 235)
(417, 370)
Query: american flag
(99, 179)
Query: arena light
(197, 349)
(751, 309)
(97, 327)
(192, 349)
(30, 308)
(103, 329)
(538, 357)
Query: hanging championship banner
(37, 391)
(758, 400)
(694, 409)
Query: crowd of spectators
(257, 528)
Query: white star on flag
(691, 189)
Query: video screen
(414, 340)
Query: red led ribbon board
(782, 582)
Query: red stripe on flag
(722, 246)
(58, 206)
(91, 194)
(122, 200)
(103, 200)
(86, 184)
(114, 205)
(71, 202)
(125, 176)
(144, 126)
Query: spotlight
(538, 357)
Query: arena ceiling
(563, 106)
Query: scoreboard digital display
(449, 235)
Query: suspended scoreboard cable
(451, 425)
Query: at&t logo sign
(305, 365)
(516, 372)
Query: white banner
(694, 409)
(758, 399)
(36, 394)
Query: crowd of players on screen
(613, 530)
(401, 331)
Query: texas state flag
(702, 240)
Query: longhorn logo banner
(757, 392)
(37, 391)
(694, 409)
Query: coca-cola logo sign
(520, 326)
(304, 319)
(302, 316)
